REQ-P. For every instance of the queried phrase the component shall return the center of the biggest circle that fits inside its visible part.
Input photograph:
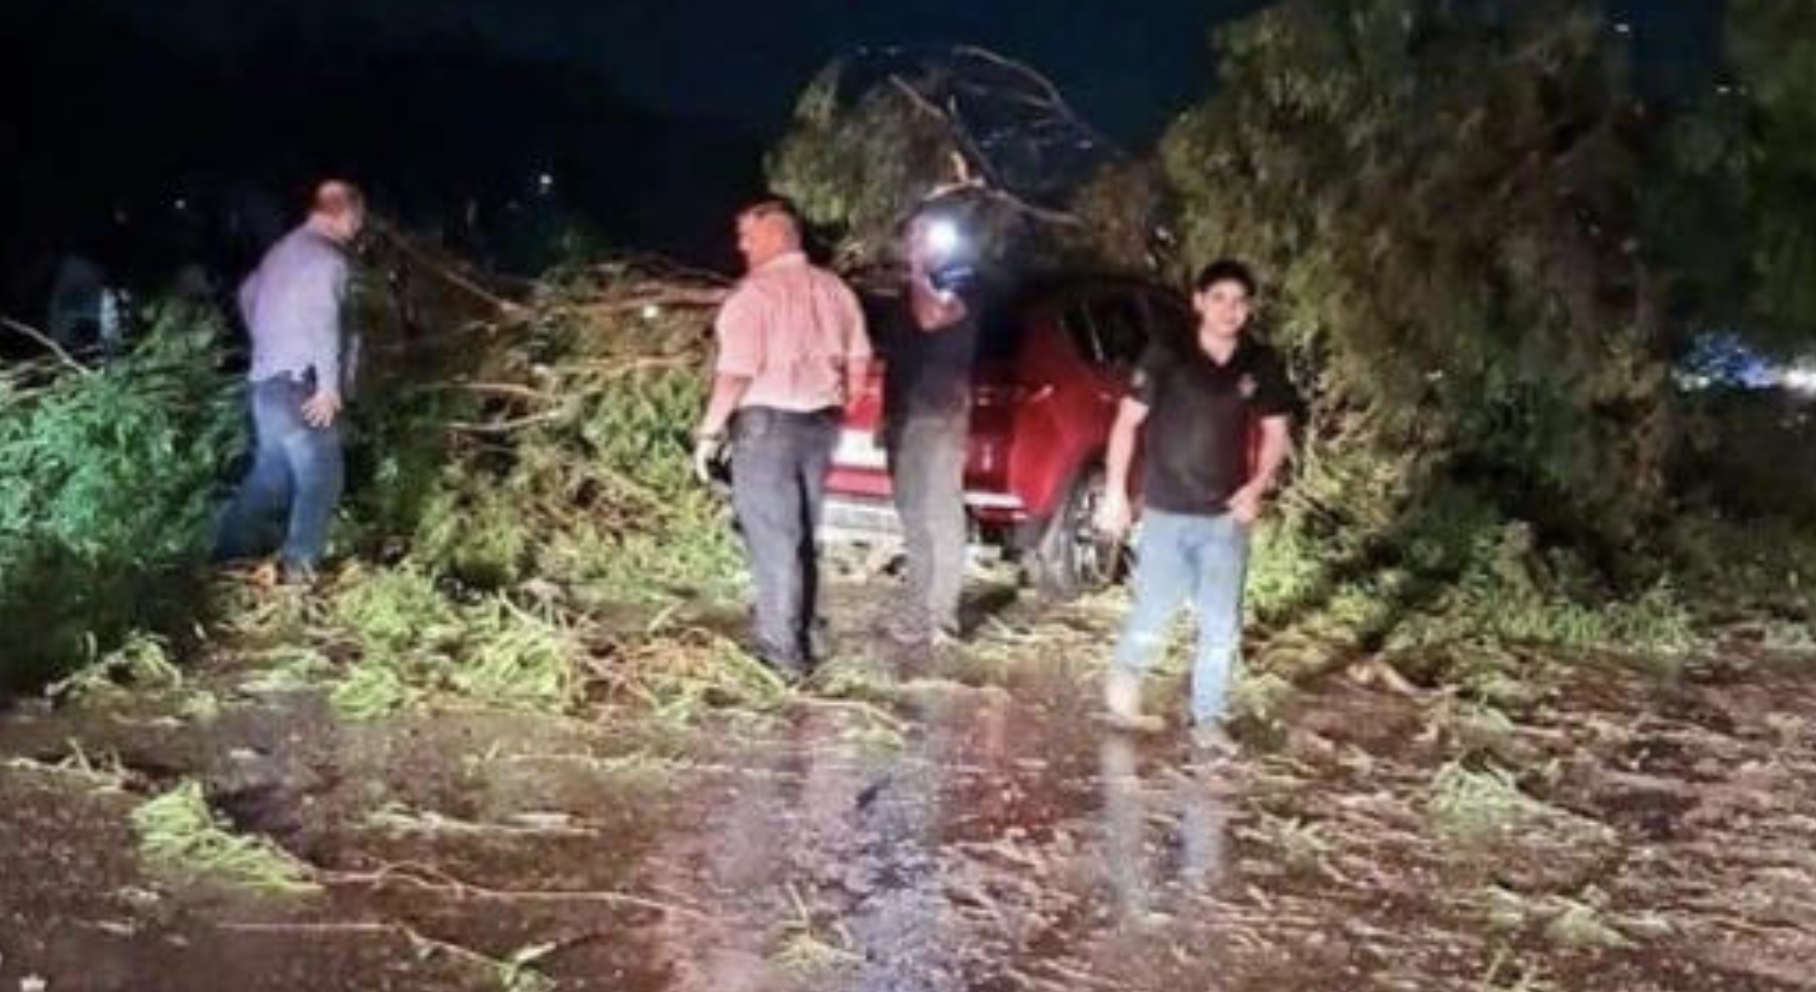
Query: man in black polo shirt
(1216, 409)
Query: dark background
(144, 134)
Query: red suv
(1052, 366)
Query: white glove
(708, 449)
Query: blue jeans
(296, 474)
(1203, 560)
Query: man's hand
(1245, 503)
(321, 409)
(708, 447)
(1114, 515)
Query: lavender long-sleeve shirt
(292, 306)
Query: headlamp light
(944, 238)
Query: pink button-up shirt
(791, 327)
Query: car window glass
(1001, 334)
(1120, 330)
(1076, 318)
(1169, 320)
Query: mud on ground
(955, 824)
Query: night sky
(1127, 65)
(652, 115)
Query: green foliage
(1260, 698)
(141, 661)
(591, 490)
(518, 659)
(1302, 847)
(865, 152)
(1453, 569)
(1439, 197)
(521, 488)
(413, 644)
(106, 484)
(1435, 195)
(1758, 571)
(861, 168)
(179, 835)
(1581, 925)
(1731, 204)
(1772, 50)
(1474, 807)
(394, 608)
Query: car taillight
(858, 449)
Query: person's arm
(739, 331)
(1274, 403)
(248, 297)
(709, 437)
(325, 349)
(1276, 446)
(727, 392)
(1116, 512)
(857, 345)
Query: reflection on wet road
(960, 834)
(1005, 844)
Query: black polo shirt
(927, 375)
(1200, 418)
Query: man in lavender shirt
(293, 305)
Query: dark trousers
(927, 474)
(779, 463)
(296, 477)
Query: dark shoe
(297, 575)
(789, 670)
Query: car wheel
(1070, 556)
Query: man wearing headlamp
(927, 410)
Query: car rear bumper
(848, 518)
(859, 520)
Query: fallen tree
(1439, 196)
(1444, 201)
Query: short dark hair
(1225, 270)
(772, 206)
(337, 197)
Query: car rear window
(999, 339)
(1170, 320)
(1121, 328)
(1108, 328)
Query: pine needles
(180, 835)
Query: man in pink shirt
(791, 348)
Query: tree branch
(45, 340)
(445, 272)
